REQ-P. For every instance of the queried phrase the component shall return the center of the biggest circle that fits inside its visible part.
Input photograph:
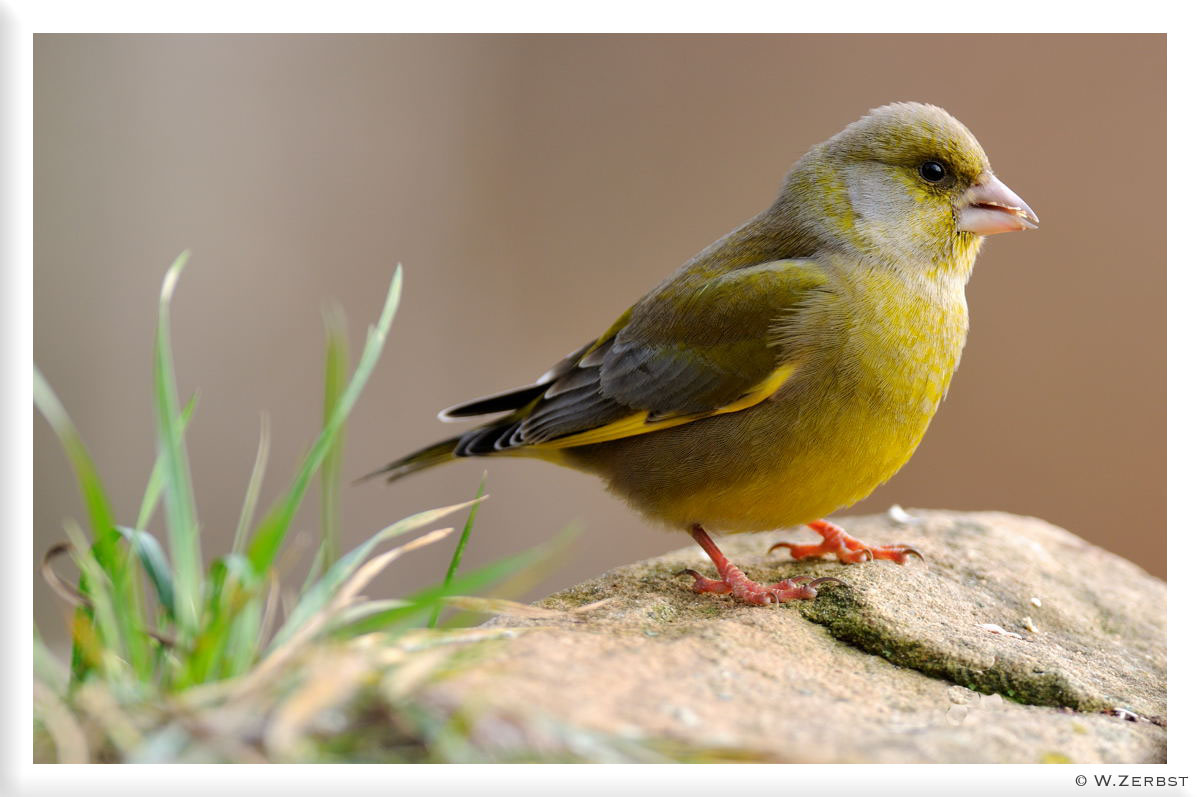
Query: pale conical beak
(991, 207)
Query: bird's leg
(735, 581)
(847, 548)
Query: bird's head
(906, 182)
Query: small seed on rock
(995, 629)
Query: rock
(1015, 642)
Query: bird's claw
(703, 583)
(846, 548)
(897, 553)
(858, 557)
(826, 580)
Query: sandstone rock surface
(1016, 641)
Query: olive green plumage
(792, 366)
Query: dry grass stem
(69, 739)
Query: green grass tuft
(209, 632)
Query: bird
(789, 368)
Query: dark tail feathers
(508, 401)
(427, 457)
(480, 441)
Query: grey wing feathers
(652, 363)
(666, 380)
(628, 378)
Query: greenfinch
(791, 367)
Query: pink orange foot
(846, 548)
(732, 580)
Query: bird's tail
(478, 442)
(427, 457)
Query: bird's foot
(743, 589)
(846, 548)
(733, 581)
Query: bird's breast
(903, 344)
(873, 385)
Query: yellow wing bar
(639, 423)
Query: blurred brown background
(534, 186)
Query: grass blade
(183, 533)
(62, 589)
(225, 599)
(254, 487)
(154, 486)
(99, 510)
(421, 602)
(510, 581)
(274, 528)
(114, 562)
(106, 651)
(268, 613)
(358, 611)
(463, 538)
(70, 742)
(46, 666)
(314, 570)
(324, 590)
(318, 623)
(154, 562)
(241, 649)
(336, 357)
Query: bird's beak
(990, 207)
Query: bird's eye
(933, 171)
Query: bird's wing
(695, 347)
